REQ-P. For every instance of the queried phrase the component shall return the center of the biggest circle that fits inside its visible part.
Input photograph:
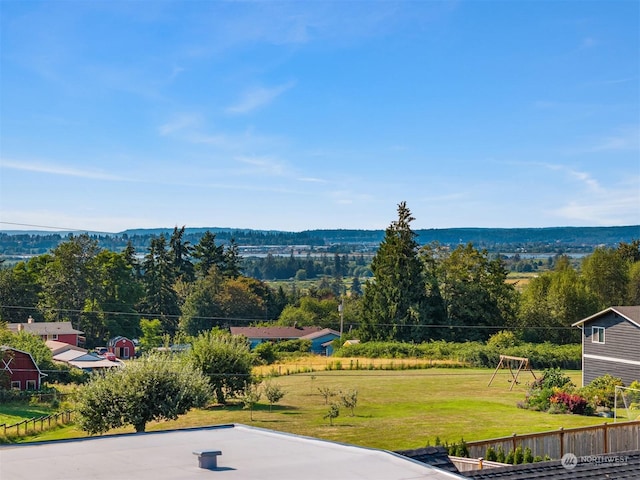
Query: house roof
(247, 453)
(90, 364)
(70, 355)
(321, 333)
(117, 339)
(435, 456)
(631, 313)
(45, 328)
(5, 348)
(618, 466)
(275, 333)
(57, 347)
(84, 360)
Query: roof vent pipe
(208, 459)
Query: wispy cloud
(622, 139)
(257, 97)
(179, 123)
(613, 207)
(625, 139)
(263, 165)
(583, 177)
(312, 180)
(52, 169)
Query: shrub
(518, 456)
(540, 396)
(265, 353)
(528, 456)
(602, 390)
(553, 377)
(491, 455)
(292, 346)
(502, 340)
(573, 403)
(634, 395)
(509, 458)
(500, 456)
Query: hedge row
(540, 355)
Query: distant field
(397, 409)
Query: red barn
(19, 370)
(122, 347)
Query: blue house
(321, 338)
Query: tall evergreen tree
(232, 260)
(395, 302)
(160, 298)
(181, 250)
(208, 254)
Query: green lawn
(16, 412)
(396, 409)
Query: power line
(66, 229)
(260, 319)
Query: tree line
(407, 292)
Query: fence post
(514, 442)
(606, 438)
(561, 442)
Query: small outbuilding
(19, 370)
(122, 347)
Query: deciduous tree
(225, 360)
(155, 387)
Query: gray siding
(622, 341)
(594, 368)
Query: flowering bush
(573, 403)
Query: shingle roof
(320, 333)
(45, 328)
(618, 466)
(631, 313)
(274, 332)
(435, 456)
(57, 347)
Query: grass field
(14, 413)
(397, 409)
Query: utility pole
(341, 310)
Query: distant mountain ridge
(545, 240)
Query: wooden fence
(582, 441)
(37, 424)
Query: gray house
(611, 344)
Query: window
(597, 334)
(15, 384)
(52, 336)
(31, 384)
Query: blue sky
(308, 115)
